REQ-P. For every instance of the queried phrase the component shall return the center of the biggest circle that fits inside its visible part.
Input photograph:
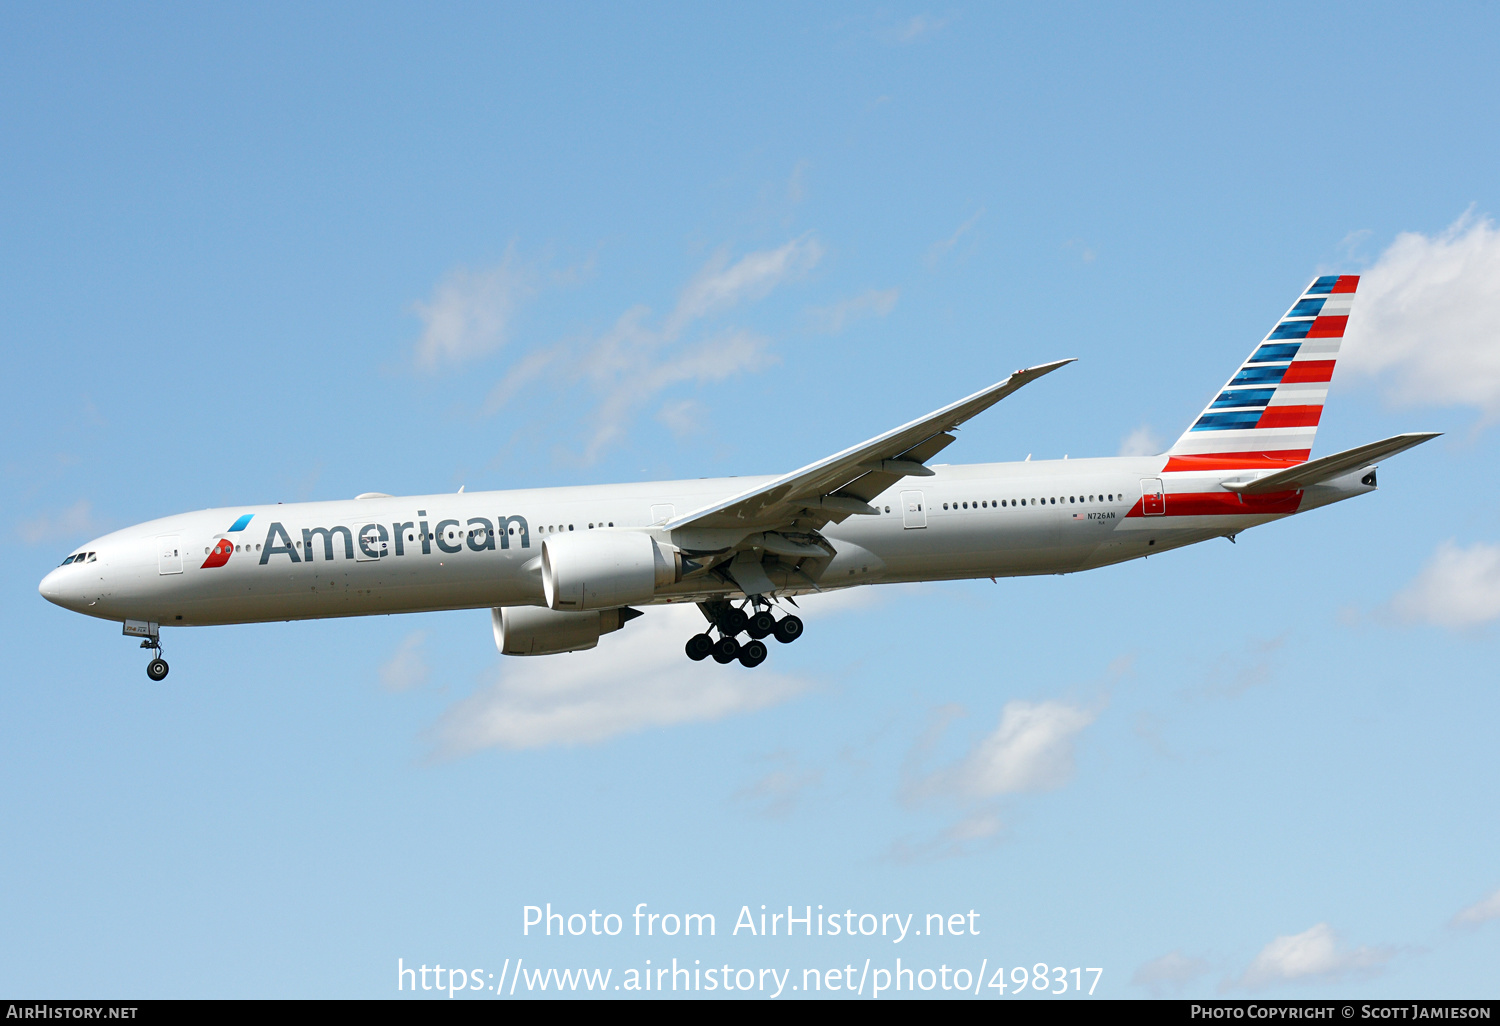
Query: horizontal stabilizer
(1328, 467)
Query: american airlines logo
(224, 546)
(374, 541)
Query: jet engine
(603, 569)
(532, 630)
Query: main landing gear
(730, 622)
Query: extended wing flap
(1328, 467)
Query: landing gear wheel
(788, 629)
(156, 669)
(734, 621)
(753, 654)
(725, 649)
(699, 646)
(762, 625)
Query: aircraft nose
(51, 588)
(64, 589)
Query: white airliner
(559, 567)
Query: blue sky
(280, 254)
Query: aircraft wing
(1313, 471)
(842, 484)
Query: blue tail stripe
(1259, 376)
(1228, 421)
(1243, 397)
(1307, 308)
(1275, 352)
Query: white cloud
(720, 285)
(1141, 442)
(630, 365)
(1482, 911)
(636, 679)
(73, 524)
(1427, 318)
(776, 793)
(940, 249)
(684, 417)
(915, 28)
(796, 186)
(1031, 750)
(1458, 588)
(628, 380)
(1312, 955)
(406, 669)
(832, 319)
(470, 312)
(1235, 673)
(1170, 972)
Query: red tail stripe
(1290, 416)
(1346, 283)
(1308, 370)
(1328, 327)
(1208, 504)
(1272, 460)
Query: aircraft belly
(982, 544)
(309, 591)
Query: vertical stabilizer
(1267, 415)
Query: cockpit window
(68, 560)
(92, 556)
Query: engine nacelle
(603, 569)
(533, 630)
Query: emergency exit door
(913, 510)
(1153, 497)
(169, 554)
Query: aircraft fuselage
(482, 549)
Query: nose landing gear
(150, 635)
(157, 668)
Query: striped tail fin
(1267, 415)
